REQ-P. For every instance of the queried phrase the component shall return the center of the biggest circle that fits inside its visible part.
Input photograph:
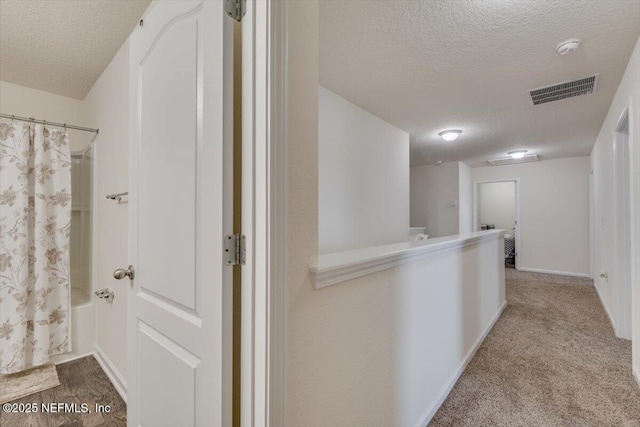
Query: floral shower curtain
(35, 219)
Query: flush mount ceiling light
(450, 135)
(517, 154)
(568, 46)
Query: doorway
(495, 206)
(623, 226)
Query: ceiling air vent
(564, 90)
(510, 161)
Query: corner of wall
(302, 199)
(465, 199)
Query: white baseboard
(112, 372)
(431, 411)
(606, 309)
(560, 273)
(636, 375)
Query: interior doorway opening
(495, 206)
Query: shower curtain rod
(44, 122)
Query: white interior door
(179, 303)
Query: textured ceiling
(62, 46)
(426, 66)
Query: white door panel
(179, 376)
(179, 212)
(167, 185)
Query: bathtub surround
(363, 177)
(81, 226)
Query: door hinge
(235, 8)
(235, 249)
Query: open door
(496, 204)
(179, 324)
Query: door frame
(592, 223)
(264, 192)
(518, 223)
(623, 226)
(634, 174)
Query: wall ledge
(338, 267)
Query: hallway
(552, 359)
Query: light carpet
(552, 359)
(20, 384)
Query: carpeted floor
(552, 359)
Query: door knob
(121, 274)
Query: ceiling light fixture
(518, 154)
(450, 135)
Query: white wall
(107, 108)
(497, 205)
(465, 199)
(363, 177)
(346, 362)
(27, 102)
(602, 164)
(302, 208)
(433, 191)
(383, 349)
(554, 212)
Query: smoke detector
(568, 46)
